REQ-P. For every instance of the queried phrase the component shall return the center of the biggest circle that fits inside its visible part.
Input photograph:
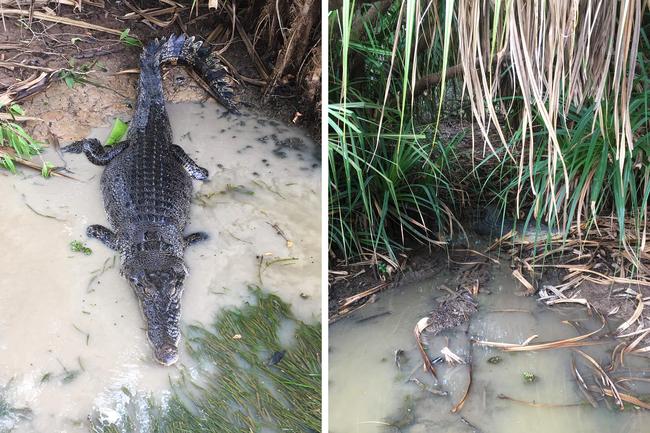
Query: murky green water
(368, 393)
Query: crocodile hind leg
(192, 168)
(194, 238)
(103, 234)
(95, 152)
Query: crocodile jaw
(158, 285)
(162, 317)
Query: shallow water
(363, 369)
(71, 336)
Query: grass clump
(387, 185)
(554, 130)
(595, 178)
(239, 387)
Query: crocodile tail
(186, 50)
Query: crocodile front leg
(95, 152)
(192, 168)
(193, 238)
(103, 234)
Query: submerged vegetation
(439, 108)
(251, 377)
(10, 415)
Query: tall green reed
(385, 188)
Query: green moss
(239, 389)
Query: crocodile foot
(76, 147)
(194, 238)
(95, 152)
(192, 168)
(103, 234)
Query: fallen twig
(605, 378)
(635, 316)
(423, 324)
(582, 386)
(359, 296)
(535, 404)
(558, 344)
(61, 20)
(458, 406)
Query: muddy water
(363, 369)
(71, 337)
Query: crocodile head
(159, 289)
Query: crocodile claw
(76, 147)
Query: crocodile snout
(167, 354)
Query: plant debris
(529, 377)
(80, 247)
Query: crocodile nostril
(166, 354)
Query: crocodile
(147, 187)
(491, 222)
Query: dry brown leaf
(635, 316)
(458, 406)
(423, 324)
(61, 20)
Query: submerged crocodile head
(159, 287)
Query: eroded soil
(66, 114)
